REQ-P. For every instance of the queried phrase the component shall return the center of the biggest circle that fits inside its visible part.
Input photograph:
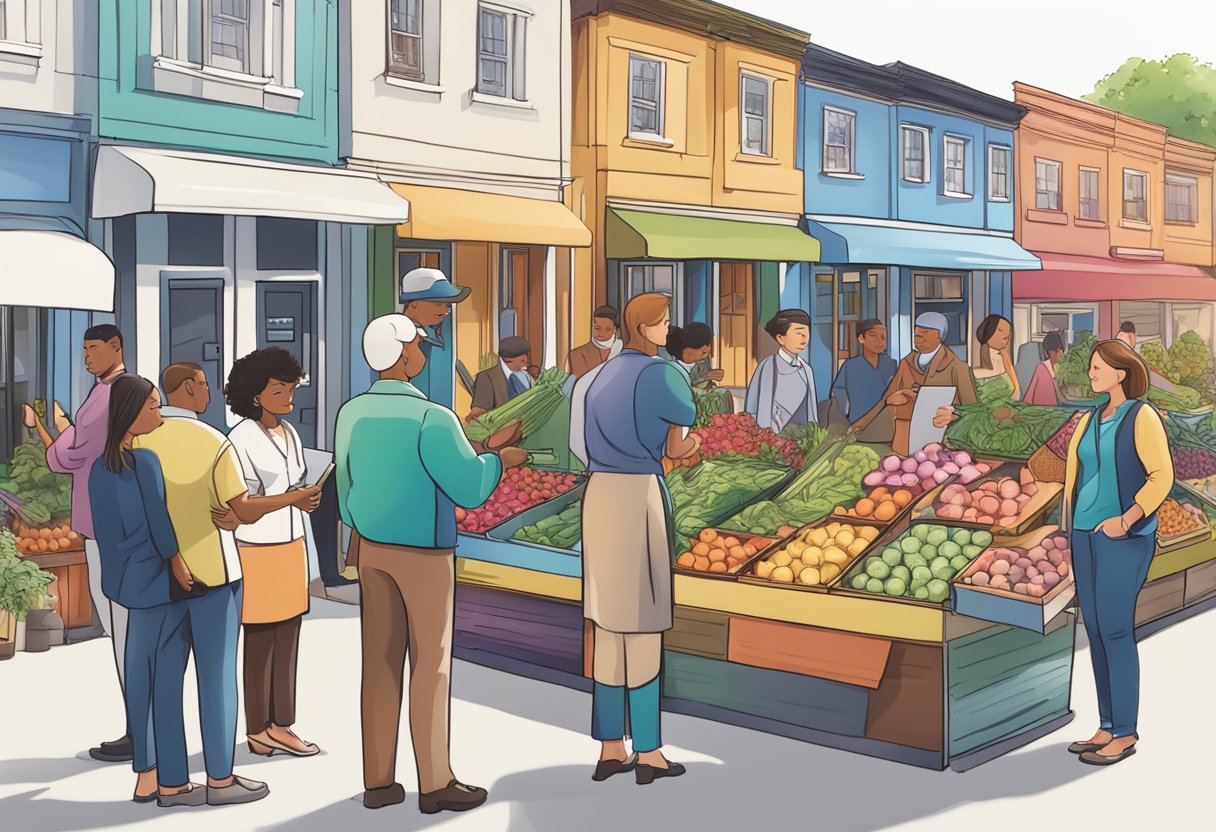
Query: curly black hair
(251, 374)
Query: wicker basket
(1045, 466)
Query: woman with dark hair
(1042, 388)
(274, 548)
(1118, 473)
(995, 337)
(691, 347)
(782, 390)
(139, 558)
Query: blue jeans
(1109, 574)
(211, 626)
(154, 710)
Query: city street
(526, 742)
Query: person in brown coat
(933, 364)
(603, 345)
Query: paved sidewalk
(527, 743)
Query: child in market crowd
(691, 347)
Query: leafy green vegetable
(532, 408)
(1074, 366)
(711, 403)
(706, 494)
(1185, 399)
(1190, 360)
(808, 438)
(1010, 429)
(561, 531)
(990, 391)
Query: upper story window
(955, 180)
(1090, 206)
(405, 38)
(757, 114)
(914, 153)
(647, 77)
(999, 159)
(228, 41)
(1046, 185)
(500, 52)
(839, 140)
(1181, 199)
(1135, 195)
(3, 20)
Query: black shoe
(606, 768)
(648, 774)
(387, 796)
(118, 751)
(1082, 747)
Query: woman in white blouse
(274, 550)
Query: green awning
(637, 234)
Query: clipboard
(928, 400)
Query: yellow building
(683, 153)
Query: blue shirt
(630, 405)
(1098, 495)
(135, 536)
(859, 384)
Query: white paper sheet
(928, 400)
(315, 463)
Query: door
(287, 318)
(736, 322)
(195, 324)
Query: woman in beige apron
(628, 414)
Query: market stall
(916, 609)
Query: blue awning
(877, 245)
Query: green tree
(1178, 93)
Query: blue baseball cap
(430, 284)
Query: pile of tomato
(520, 489)
(738, 433)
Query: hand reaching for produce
(28, 417)
(474, 414)
(181, 572)
(512, 457)
(716, 375)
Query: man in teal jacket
(403, 465)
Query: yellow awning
(453, 214)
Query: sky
(1065, 46)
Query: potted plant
(22, 588)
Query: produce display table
(69, 590)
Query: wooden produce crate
(1002, 607)
(1161, 597)
(843, 584)
(1044, 500)
(748, 573)
(1181, 541)
(47, 538)
(760, 542)
(698, 632)
(1200, 583)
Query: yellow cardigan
(1153, 448)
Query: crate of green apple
(925, 470)
(520, 489)
(1024, 582)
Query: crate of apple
(520, 489)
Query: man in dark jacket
(504, 381)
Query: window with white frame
(228, 35)
(1090, 206)
(1046, 185)
(1181, 199)
(3, 20)
(757, 114)
(501, 35)
(640, 278)
(999, 159)
(405, 38)
(839, 137)
(914, 153)
(1135, 195)
(955, 160)
(646, 83)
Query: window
(755, 128)
(500, 53)
(945, 293)
(1135, 196)
(1046, 185)
(229, 35)
(639, 278)
(3, 21)
(956, 166)
(196, 240)
(1181, 199)
(1090, 207)
(286, 244)
(646, 82)
(1197, 319)
(839, 133)
(998, 172)
(914, 152)
(405, 38)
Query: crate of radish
(520, 489)
(1024, 581)
(1006, 501)
(925, 470)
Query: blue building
(909, 187)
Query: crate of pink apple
(1024, 581)
(1006, 501)
(925, 470)
(738, 434)
(521, 489)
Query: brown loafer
(386, 796)
(1093, 758)
(456, 797)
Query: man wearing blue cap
(427, 297)
(933, 364)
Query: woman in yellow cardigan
(1119, 473)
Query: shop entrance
(287, 318)
(194, 321)
(21, 378)
(736, 322)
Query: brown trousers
(407, 607)
(271, 653)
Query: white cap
(384, 338)
(430, 284)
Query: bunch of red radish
(738, 433)
(520, 489)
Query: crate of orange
(37, 540)
(883, 504)
(720, 554)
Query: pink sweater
(1042, 388)
(76, 449)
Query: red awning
(1070, 277)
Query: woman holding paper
(274, 550)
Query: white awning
(137, 180)
(42, 263)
